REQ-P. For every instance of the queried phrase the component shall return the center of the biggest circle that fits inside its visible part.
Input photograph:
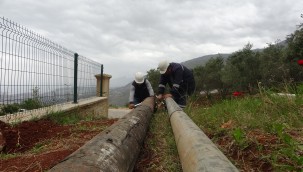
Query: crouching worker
(180, 80)
(139, 90)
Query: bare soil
(39, 145)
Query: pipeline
(196, 150)
(116, 148)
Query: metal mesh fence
(87, 69)
(35, 68)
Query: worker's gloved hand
(167, 95)
(131, 106)
(160, 97)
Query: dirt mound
(25, 135)
(39, 145)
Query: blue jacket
(177, 79)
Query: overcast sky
(134, 35)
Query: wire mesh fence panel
(33, 68)
(87, 69)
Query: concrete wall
(97, 106)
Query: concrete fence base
(95, 106)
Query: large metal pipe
(196, 150)
(116, 148)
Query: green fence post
(101, 80)
(75, 78)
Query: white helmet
(163, 65)
(139, 78)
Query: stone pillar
(105, 85)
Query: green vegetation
(161, 145)
(153, 77)
(8, 156)
(9, 109)
(64, 118)
(252, 112)
(266, 114)
(39, 147)
(81, 128)
(32, 103)
(28, 104)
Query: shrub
(30, 104)
(9, 109)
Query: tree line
(274, 67)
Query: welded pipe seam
(196, 151)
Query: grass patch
(250, 113)
(64, 118)
(4, 156)
(81, 128)
(161, 145)
(39, 147)
(268, 114)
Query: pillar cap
(104, 75)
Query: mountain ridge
(192, 63)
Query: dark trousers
(186, 89)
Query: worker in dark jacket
(140, 89)
(180, 80)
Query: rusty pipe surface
(116, 148)
(196, 150)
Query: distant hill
(200, 61)
(120, 81)
(119, 96)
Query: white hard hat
(139, 78)
(163, 65)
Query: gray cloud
(133, 35)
